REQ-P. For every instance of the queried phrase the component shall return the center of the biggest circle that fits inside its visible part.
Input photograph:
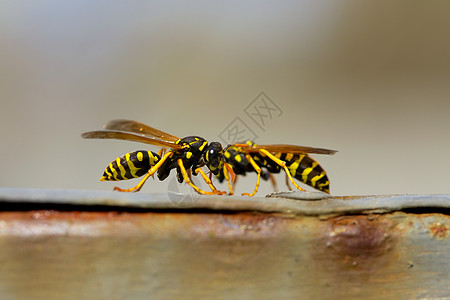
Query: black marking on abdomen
(307, 170)
(130, 165)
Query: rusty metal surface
(221, 254)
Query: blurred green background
(367, 78)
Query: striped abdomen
(131, 165)
(307, 170)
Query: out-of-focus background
(370, 79)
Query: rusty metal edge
(185, 202)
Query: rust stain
(358, 241)
(64, 215)
(189, 225)
(358, 236)
(237, 225)
(439, 230)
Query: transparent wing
(129, 136)
(139, 128)
(285, 149)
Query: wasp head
(213, 157)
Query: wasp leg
(274, 182)
(209, 182)
(189, 173)
(258, 170)
(186, 179)
(227, 168)
(162, 151)
(287, 182)
(281, 164)
(149, 173)
(235, 182)
(242, 145)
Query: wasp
(190, 154)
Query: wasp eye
(213, 154)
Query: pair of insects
(190, 154)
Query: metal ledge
(297, 203)
(71, 244)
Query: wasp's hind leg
(281, 164)
(149, 173)
(274, 182)
(161, 152)
(287, 182)
(258, 170)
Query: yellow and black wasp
(188, 155)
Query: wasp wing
(129, 136)
(285, 149)
(139, 128)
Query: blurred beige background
(367, 78)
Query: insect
(190, 154)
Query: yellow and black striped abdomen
(131, 165)
(307, 170)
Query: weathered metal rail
(66, 244)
